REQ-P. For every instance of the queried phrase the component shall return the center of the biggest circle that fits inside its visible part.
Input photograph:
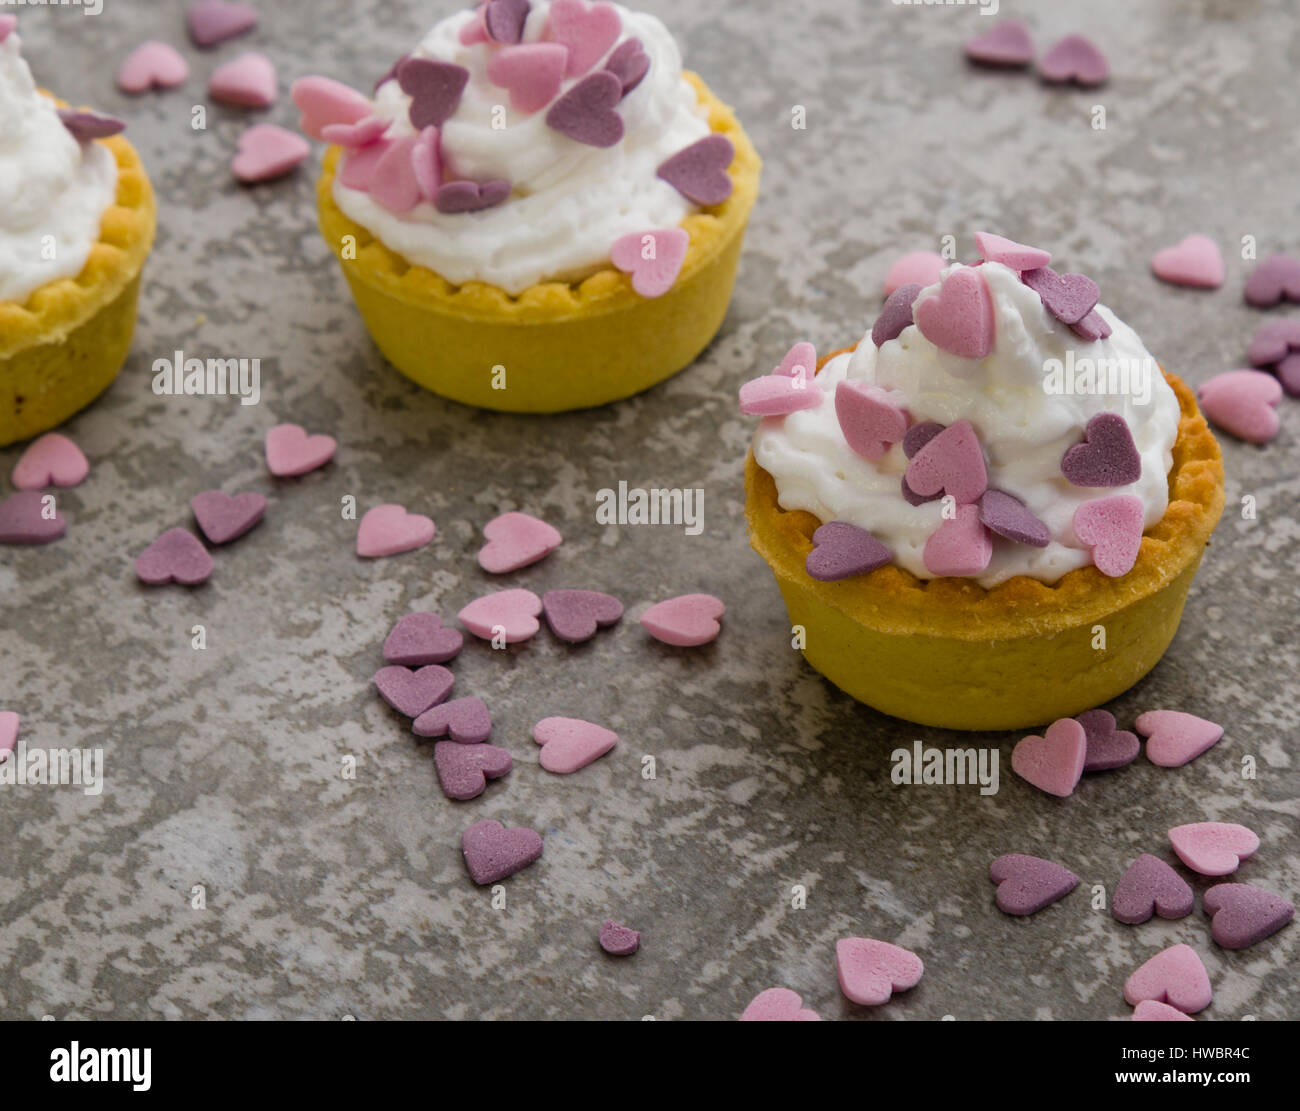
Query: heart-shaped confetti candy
(412, 692)
(87, 126)
(474, 30)
(653, 258)
(214, 21)
(463, 770)
(224, 517)
(1288, 373)
(1108, 747)
(291, 452)
(1175, 976)
(393, 182)
(871, 419)
(686, 621)
(1242, 914)
(247, 81)
(354, 136)
(959, 318)
(921, 268)
(588, 30)
(465, 720)
(841, 550)
(176, 556)
(152, 65)
(514, 612)
(1112, 528)
(895, 314)
(324, 101)
(435, 89)
(1148, 1010)
(1053, 763)
(951, 462)
(629, 63)
(799, 362)
(1008, 516)
(50, 460)
(618, 940)
(421, 638)
(7, 24)
(1092, 327)
(1243, 403)
(1175, 738)
(389, 529)
(266, 152)
(531, 74)
(9, 721)
(571, 743)
(1195, 261)
(1075, 58)
(516, 540)
(1274, 341)
(871, 971)
(1026, 884)
(1277, 277)
(1068, 297)
(699, 172)
(919, 435)
(1006, 43)
(30, 517)
(1017, 256)
(1213, 848)
(778, 1005)
(493, 852)
(575, 615)
(587, 112)
(1150, 886)
(960, 546)
(504, 20)
(426, 165)
(1106, 457)
(453, 197)
(776, 395)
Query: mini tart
(63, 346)
(950, 653)
(563, 346)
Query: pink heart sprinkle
(871, 971)
(1112, 528)
(247, 81)
(291, 452)
(1053, 763)
(799, 362)
(30, 517)
(267, 151)
(653, 258)
(358, 167)
(426, 162)
(354, 136)
(1148, 1010)
(389, 529)
(960, 546)
(223, 517)
(51, 460)
(1174, 976)
(587, 30)
(775, 395)
(474, 30)
(618, 940)
(778, 1005)
(1213, 848)
(515, 540)
(1076, 59)
(686, 621)
(394, 183)
(1243, 403)
(1006, 44)
(323, 101)
(9, 721)
(176, 556)
(959, 318)
(152, 65)
(872, 419)
(7, 24)
(922, 268)
(1195, 261)
(952, 462)
(513, 612)
(493, 852)
(531, 73)
(214, 21)
(1017, 256)
(571, 743)
(1175, 738)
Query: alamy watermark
(1084, 377)
(921, 765)
(986, 7)
(179, 376)
(88, 7)
(53, 767)
(633, 505)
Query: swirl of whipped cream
(570, 201)
(54, 189)
(1023, 422)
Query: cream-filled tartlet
(987, 514)
(76, 224)
(536, 209)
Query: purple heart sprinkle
(1278, 276)
(699, 172)
(412, 692)
(1288, 373)
(214, 21)
(85, 126)
(1006, 44)
(434, 87)
(575, 615)
(463, 770)
(1242, 914)
(1150, 886)
(1007, 515)
(493, 852)
(1274, 341)
(1075, 58)
(1108, 747)
(24, 518)
(895, 314)
(629, 63)
(470, 196)
(618, 940)
(421, 638)
(391, 75)
(842, 550)
(1092, 327)
(176, 556)
(1068, 297)
(504, 20)
(586, 112)
(913, 498)
(465, 720)
(919, 435)
(1026, 884)
(223, 517)
(1107, 457)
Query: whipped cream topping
(54, 189)
(1024, 424)
(570, 201)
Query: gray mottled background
(329, 897)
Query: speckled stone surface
(328, 896)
